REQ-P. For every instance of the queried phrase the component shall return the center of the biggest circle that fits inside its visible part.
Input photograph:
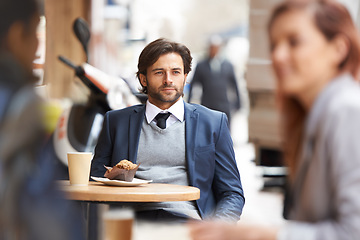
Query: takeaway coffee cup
(79, 167)
(118, 224)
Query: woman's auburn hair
(332, 19)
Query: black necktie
(161, 119)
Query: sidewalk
(260, 206)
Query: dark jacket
(215, 86)
(31, 206)
(209, 155)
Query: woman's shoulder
(346, 96)
(337, 103)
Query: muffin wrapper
(116, 173)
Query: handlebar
(67, 62)
(85, 78)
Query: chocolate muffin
(124, 171)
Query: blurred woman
(316, 55)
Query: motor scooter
(79, 125)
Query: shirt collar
(177, 110)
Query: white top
(176, 110)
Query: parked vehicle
(79, 125)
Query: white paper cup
(118, 224)
(79, 167)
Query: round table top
(152, 192)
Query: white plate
(135, 182)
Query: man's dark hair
(12, 11)
(157, 48)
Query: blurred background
(120, 29)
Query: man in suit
(194, 148)
(217, 79)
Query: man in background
(217, 79)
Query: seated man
(191, 145)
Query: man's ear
(143, 80)
(342, 47)
(185, 78)
(14, 37)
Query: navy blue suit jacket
(209, 155)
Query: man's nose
(168, 79)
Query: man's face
(165, 80)
(22, 42)
(213, 50)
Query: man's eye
(294, 42)
(177, 72)
(158, 73)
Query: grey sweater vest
(161, 153)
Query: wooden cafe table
(151, 192)
(97, 192)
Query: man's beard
(164, 97)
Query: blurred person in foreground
(192, 147)
(316, 55)
(216, 76)
(30, 205)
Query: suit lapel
(191, 123)
(135, 123)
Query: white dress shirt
(176, 110)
